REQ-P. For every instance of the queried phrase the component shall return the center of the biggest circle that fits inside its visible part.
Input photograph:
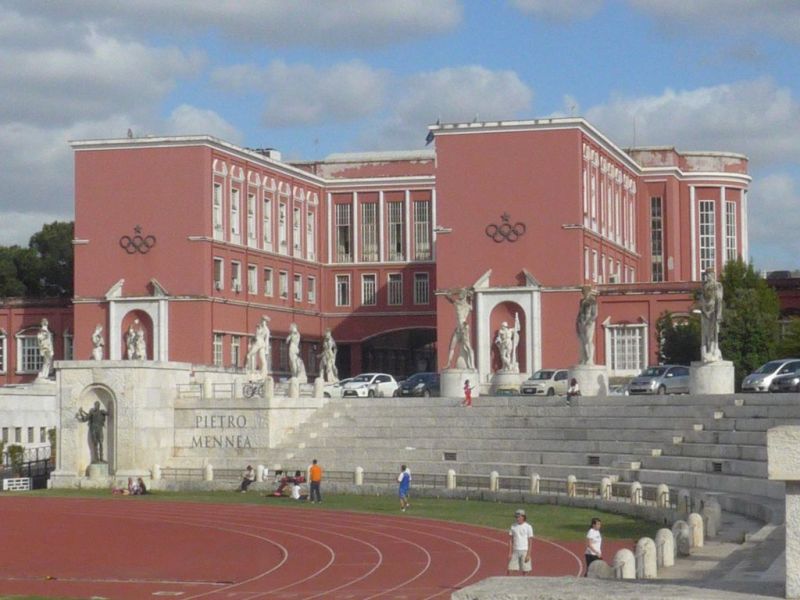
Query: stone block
(624, 564)
(665, 548)
(452, 382)
(600, 569)
(782, 455)
(707, 378)
(592, 379)
(646, 560)
(695, 522)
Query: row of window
(29, 359)
(30, 438)
(266, 278)
(260, 230)
(708, 234)
(599, 268)
(394, 289)
(367, 243)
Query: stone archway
(134, 322)
(508, 312)
(106, 402)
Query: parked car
(663, 379)
(334, 390)
(419, 384)
(618, 390)
(370, 385)
(548, 382)
(786, 381)
(761, 379)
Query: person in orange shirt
(315, 475)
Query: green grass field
(549, 521)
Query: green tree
(749, 329)
(16, 456)
(789, 344)
(679, 339)
(44, 269)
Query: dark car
(786, 382)
(420, 384)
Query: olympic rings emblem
(137, 243)
(505, 231)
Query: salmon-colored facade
(197, 239)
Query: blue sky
(311, 77)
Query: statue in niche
(507, 341)
(296, 366)
(44, 339)
(461, 299)
(585, 324)
(327, 359)
(710, 317)
(259, 350)
(97, 343)
(140, 342)
(130, 343)
(96, 418)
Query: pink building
(198, 238)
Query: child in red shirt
(467, 394)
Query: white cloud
(756, 118)
(16, 228)
(300, 94)
(190, 120)
(560, 10)
(276, 23)
(774, 203)
(780, 18)
(453, 94)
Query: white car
(370, 385)
(547, 382)
(334, 390)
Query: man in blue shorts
(404, 479)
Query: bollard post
(494, 481)
(156, 472)
(535, 483)
(358, 476)
(261, 472)
(208, 473)
(572, 486)
(605, 488)
(451, 479)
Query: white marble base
(505, 380)
(452, 383)
(592, 379)
(711, 378)
(97, 471)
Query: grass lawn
(549, 521)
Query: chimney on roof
(269, 153)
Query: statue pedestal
(592, 379)
(452, 383)
(711, 378)
(506, 382)
(294, 388)
(97, 471)
(319, 387)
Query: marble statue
(140, 343)
(296, 366)
(96, 418)
(97, 343)
(45, 342)
(507, 340)
(585, 324)
(130, 343)
(710, 317)
(260, 349)
(327, 359)
(461, 299)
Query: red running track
(126, 548)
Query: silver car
(663, 379)
(760, 379)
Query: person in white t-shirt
(520, 542)
(594, 543)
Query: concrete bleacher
(713, 444)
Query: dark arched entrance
(400, 353)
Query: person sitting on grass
(141, 487)
(286, 480)
(298, 493)
(248, 477)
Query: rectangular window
(595, 272)
(2, 353)
(311, 235)
(5, 435)
(369, 295)
(421, 288)
(219, 272)
(252, 279)
(708, 236)
(587, 269)
(283, 284)
(657, 238)
(218, 349)
(422, 230)
(268, 290)
(344, 233)
(627, 348)
(369, 232)
(236, 276)
(731, 251)
(593, 198)
(282, 228)
(30, 435)
(298, 288)
(29, 353)
(236, 350)
(312, 290)
(234, 215)
(396, 222)
(586, 193)
(68, 347)
(18, 435)
(395, 289)
(297, 239)
(42, 435)
(343, 290)
(267, 224)
(217, 211)
(251, 220)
